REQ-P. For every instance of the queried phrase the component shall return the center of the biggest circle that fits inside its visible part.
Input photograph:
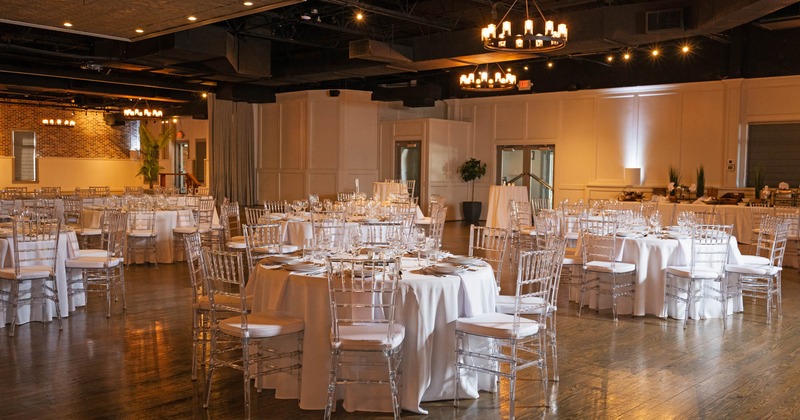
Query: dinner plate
(281, 259)
(302, 267)
(676, 235)
(284, 249)
(276, 216)
(464, 260)
(295, 219)
(625, 234)
(445, 268)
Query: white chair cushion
(141, 233)
(237, 245)
(262, 324)
(238, 238)
(685, 272)
(204, 304)
(572, 260)
(370, 337)
(92, 262)
(26, 273)
(752, 260)
(91, 253)
(607, 267)
(529, 230)
(88, 231)
(757, 270)
(505, 304)
(184, 230)
(497, 325)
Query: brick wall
(90, 138)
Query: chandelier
(554, 38)
(482, 81)
(59, 122)
(146, 112)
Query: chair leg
(393, 366)
(332, 385)
(195, 343)
(54, 291)
(554, 346)
(246, 374)
(210, 369)
(13, 297)
(689, 301)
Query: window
(25, 168)
(775, 148)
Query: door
(530, 166)
(408, 162)
(181, 160)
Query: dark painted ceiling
(410, 50)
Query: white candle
(356, 184)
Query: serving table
(67, 248)
(427, 306)
(497, 208)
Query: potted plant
(150, 151)
(759, 180)
(701, 181)
(469, 171)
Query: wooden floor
(137, 364)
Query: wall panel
(658, 142)
(615, 130)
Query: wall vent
(664, 20)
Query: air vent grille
(664, 20)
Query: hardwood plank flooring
(137, 364)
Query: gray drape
(233, 151)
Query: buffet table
(67, 246)
(497, 208)
(426, 305)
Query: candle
(357, 185)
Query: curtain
(233, 151)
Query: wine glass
(316, 206)
(655, 222)
(297, 205)
(355, 240)
(419, 242)
(327, 204)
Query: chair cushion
(607, 267)
(141, 233)
(757, 270)
(685, 272)
(185, 230)
(94, 252)
(505, 304)
(237, 245)
(88, 231)
(370, 336)
(262, 324)
(204, 304)
(497, 325)
(26, 273)
(753, 260)
(92, 262)
(572, 260)
(238, 238)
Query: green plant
(759, 180)
(701, 181)
(674, 178)
(150, 150)
(471, 170)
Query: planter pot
(471, 211)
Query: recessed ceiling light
(248, 3)
(685, 49)
(610, 58)
(654, 53)
(192, 18)
(359, 16)
(627, 56)
(139, 31)
(67, 24)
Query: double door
(527, 165)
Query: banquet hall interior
(651, 109)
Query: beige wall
(599, 133)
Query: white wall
(599, 133)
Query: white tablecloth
(497, 209)
(426, 305)
(381, 190)
(166, 220)
(67, 244)
(652, 256)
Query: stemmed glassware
(355, 240)
(655, 222)
(420, 238)
(297, 205)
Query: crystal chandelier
(554, 38)
(480, 80)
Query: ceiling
(401, 48)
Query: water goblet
(420, 238)
(655, 222)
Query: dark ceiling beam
(109, 79)
(310, 22)
(84, 87)
(393, 14)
